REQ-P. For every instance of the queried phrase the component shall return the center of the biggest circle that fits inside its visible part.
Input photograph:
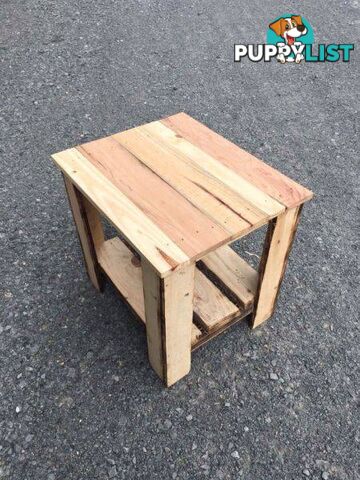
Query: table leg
(169, 313)
(278, 242)
(89, 228)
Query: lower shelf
(213, 310)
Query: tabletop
(177, 190)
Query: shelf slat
(234, 273)
(124, 270)
(213, 311)
(211, 308)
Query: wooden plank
(236, 274)
(169, 312)
(185, 224)
(263, 176)
(89, 229)
(276, 251)
(124, 270)
(146, 237)
(198, 159)
(209, 194)
(213, 309)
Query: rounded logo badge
(291, 28)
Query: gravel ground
(78, 398)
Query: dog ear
(297, 19)
(277, 26)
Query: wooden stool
(178, 194)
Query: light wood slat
(124, 270)
(266, 178)
(277, 247)
(185, 224)
(86, 217)
(212, 308)
(236, 274)
(193, 155)
(138, 229)
(207, 193)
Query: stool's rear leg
(278, 242)
(169, 313)
(89, 228)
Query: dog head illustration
(289, 28)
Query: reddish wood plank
(187, 226)
(266, 178)
(248, 195)
(213, 309)
(207, 192)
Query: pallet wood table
(179, 194)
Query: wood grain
(178, 193)
(196, 334)
(169, 312)
(276, 251)
(185, 224)
(263, 176)
(207, 336)
(94, 223)
(211, 308)
(208, 193)
(200, 160)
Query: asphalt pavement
(78, 399)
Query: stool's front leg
(89, 228)
(278, 242)
(169, 313)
